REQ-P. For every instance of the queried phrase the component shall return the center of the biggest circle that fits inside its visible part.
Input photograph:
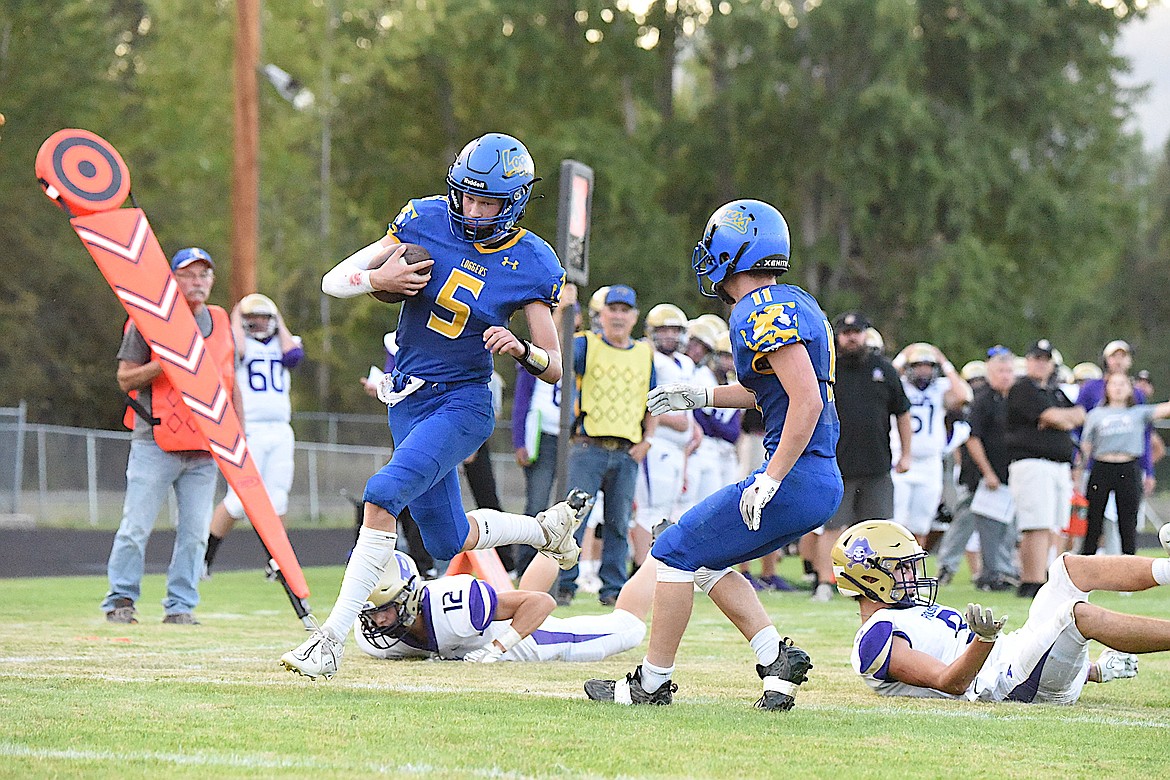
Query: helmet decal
(736, 220)
(860, 551)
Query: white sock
(653, 676)
(498, 528)
(1161, 571)
(591, 566)
(366, 564)
(766, 645)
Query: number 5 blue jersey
(472, 287)
(766, 320)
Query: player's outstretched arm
(916, 668)
(527, 610)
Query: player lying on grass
(464, 618)
(910, 646)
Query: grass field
(81, 697)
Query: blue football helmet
(744, 235)
(492, 166)
(398, 592)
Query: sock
(497, 528)
(766, 645)
(590, 567)
(212, 545)
(1161, 571)
(654, 676)
(366, 564)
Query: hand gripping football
(414, 254)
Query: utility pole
(246, 160)
(323, 370)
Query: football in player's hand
(414, 254)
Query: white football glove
(984, 625)
(677, 397)
(755, 497)
(488, 654)
(1113, 665)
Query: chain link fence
(57, 476)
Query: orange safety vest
(176, 430)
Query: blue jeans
(538, 484)
(150, 473)
(593, 468)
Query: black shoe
(608, 600)
(564, 598)
(629, 690)
(782, 676)
(945, 577)
(1028, 590)
(993, 586)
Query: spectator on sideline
(1117, 357)
(167, 450)
(536, 430)
(1040, 419)
(613, 431)
(986, 452)
(266, 351)
(868, 392)
(1113, 439)
(934, 388)
(662, 477)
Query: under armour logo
(513, 263)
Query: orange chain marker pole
(84, 175)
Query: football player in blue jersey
(783, 351)
(455, 315)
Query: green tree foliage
(958, 169)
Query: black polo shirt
(867, 391)
(989, 424)
(1025, 402)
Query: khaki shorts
(1042, 492)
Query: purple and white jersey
(1045, 660)
(458, 615)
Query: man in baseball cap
(192, 254)
(851, 320)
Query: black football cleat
(629, 690)
(782, 677)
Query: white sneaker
(1164, 537)
(317, 656)
(1115, 665)
(559, 522)
(824, 593)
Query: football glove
(488, 654)
(755, 497)
(984, 625)
(677, 397)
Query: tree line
(959, 169)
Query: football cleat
(629, 690)
(559, 522)
(317, 656)
(1115, 665)
(782, 677)
(1164, 537)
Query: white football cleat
(559, 522)
(1115, 665)
(317, 656)
(1164, 537)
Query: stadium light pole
(302, 99)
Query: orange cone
(484, 565)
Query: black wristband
(534, 360)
